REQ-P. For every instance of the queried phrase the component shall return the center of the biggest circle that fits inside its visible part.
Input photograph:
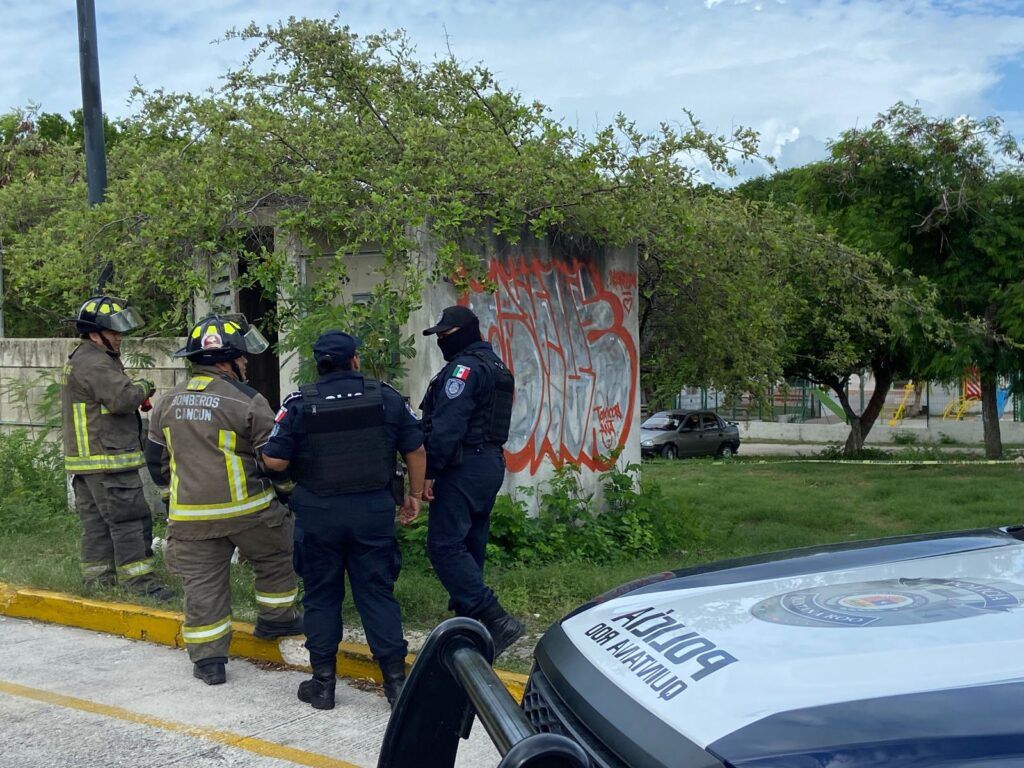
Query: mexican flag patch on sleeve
(461, 372)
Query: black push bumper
(451, 682)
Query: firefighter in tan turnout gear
(203, 442)
(103, 450)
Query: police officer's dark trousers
(362, 543)
(458, 526)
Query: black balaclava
(454, 343)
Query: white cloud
(798, 71)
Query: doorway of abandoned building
(261, 311)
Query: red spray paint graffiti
(562, 334)
(625, 283)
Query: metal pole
(2, 293)
(92, 108)
(506, 724)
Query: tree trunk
(915, 408)
(990, 414)
(860, 425)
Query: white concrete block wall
(937, 430)
(37, 361)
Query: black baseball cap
(456, 316)
(335, 345)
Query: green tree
(928, 194)
(715, 295)
(346, 141)
(937, 199)
(41, 172)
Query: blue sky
(798, 71)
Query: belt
(480, 446)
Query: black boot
(393, 672)
(210, 671)
(319, 692)
(504, 628)
(155, 591)
(268, 630)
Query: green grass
(748, 507)
(741, 507)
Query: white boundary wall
(936, 431)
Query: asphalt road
(71, 697)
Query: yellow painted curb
(164, 627)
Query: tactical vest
(347, 448)
(494, 419)
(497, 414)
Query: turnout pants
(459, 524)
(365, 547)
(114, 513)
(204, 566)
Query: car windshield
(663, 423)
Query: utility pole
(92, 116)
(1, 292)
(92, 107)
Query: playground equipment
(956, 409)
(970, 392)
(901, 409)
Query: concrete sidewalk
(73, 697)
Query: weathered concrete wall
(27, 366)
(566, 325)
(935, 431)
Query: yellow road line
(236, 740)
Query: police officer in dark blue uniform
(466, 414)
(338, 439)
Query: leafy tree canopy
(348, 141)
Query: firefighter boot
(393, 673)
(319, 692)
(210, 671)
(504, 628)
(268, 630)
(155, 591)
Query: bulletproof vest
(346, 448)
(427, 407)
(496, 416)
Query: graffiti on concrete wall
(562, 332)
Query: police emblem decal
(892, 602)
(453, 388)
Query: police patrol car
(899, 652)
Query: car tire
(669, 451)
(725, 451)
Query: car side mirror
(686, 429)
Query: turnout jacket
(99, 411)
(203, 443)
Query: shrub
(837, 453)
(622, 522)
(905, 438)
(33, 490)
